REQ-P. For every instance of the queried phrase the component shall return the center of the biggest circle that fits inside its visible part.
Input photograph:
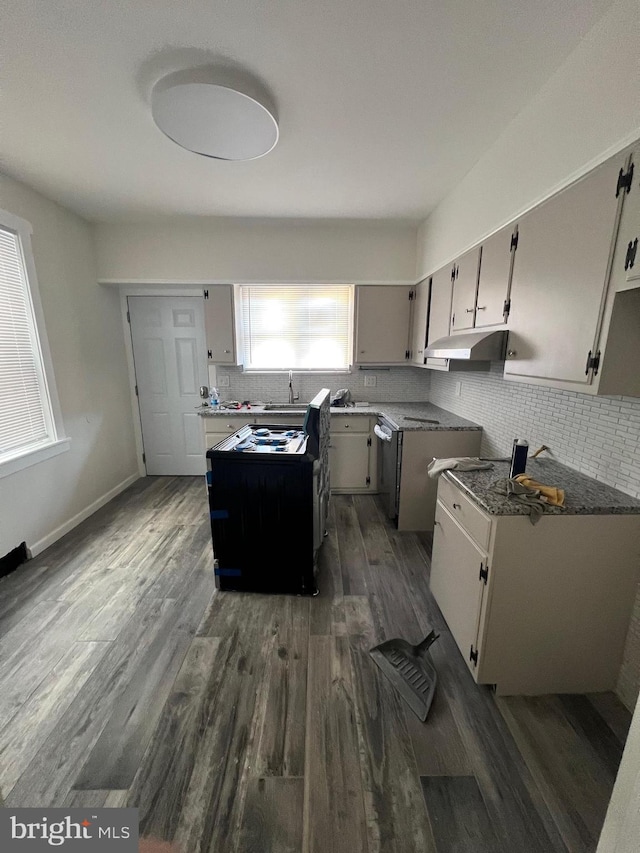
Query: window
(294, 326)
(29, 428)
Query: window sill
(33, 456)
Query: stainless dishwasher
(390, 448)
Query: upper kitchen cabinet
(481, 283)
(419, 322)
(568, 326)
(439, 312)
(465, 289)
(494, 282)
(382, 324)
(439, 315)
(221, 326)
(625, 272)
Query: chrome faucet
(292, 397)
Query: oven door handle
(382, 433)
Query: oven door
(390, 449)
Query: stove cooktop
(265, 440)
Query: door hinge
(368, 481)
(206, 294)
(128, 318)
(209, 354)
(407, 354)
(453, 319)
(625, 180)
(137, 395)
(144, 457)
(484, 573)
(412, 295)
(630, 259)
(506, 309)
(369, 442)
(514, 240)
(593, 363)
(473, 656)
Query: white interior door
(170, 356)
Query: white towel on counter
(457, 463)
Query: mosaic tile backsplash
(598, 436)
(399, 384)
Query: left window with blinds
(30, 421)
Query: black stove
(268, 500)
(265, 439)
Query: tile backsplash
(598, 436)
(399, 384)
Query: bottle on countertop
(214, 399)
(519, 457)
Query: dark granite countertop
(397, 413)
(583, 495)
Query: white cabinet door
(493, 285)
(465, 285)
(219, 324)
(626, 264)
(382, 324)
(439, 310)
(559, 278)
(349, 461)
(455, 581)
(419, 322)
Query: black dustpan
(410, 671)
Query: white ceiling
(383, 105)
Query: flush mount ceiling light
(202, 112)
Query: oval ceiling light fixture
(201, 111)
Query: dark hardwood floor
(242, 722)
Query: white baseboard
(56, 534)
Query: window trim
(58, 442)
(304, 370)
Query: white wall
(589, 109)
(84, 327)
(208, 249)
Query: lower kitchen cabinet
(539, 608)
(352, 456)
(417, 498)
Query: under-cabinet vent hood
(470, 346)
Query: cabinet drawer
(221, 427)
(469, 515)
(347, 423)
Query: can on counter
(519, 457)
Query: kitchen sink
(289, 407)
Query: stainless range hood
(470, 346)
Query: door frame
(127, 290)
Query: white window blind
(295, 326)
(26, 420)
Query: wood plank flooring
(239, 722)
